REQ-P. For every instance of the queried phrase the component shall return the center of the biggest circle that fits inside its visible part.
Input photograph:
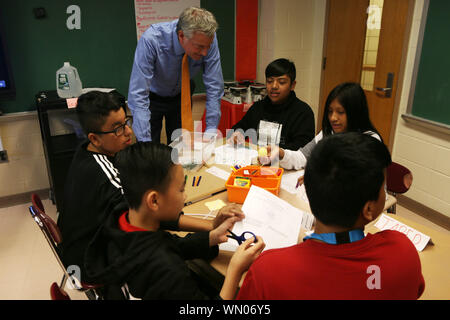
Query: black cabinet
(61, 134)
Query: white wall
(294, 29)
(26, 170)
(425, 152)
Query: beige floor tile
(27, 264)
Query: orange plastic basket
(268, 178)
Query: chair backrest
(53, 236)
(50, 226)
(57, 293)
(37, 203)
(398, 178)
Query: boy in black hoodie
(280, 118)
(93, 187)
(134, 258)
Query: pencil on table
(199, 167)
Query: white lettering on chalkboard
(74, 20)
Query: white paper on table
(419, 239)
(289, 180)
(289, 183)
(302, 193)
(270, 217)
(230, 155)
(222, 174)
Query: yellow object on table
(262, 152)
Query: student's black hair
(344, 171)
(281, 67)
(94, 107)
(352, 97)
(144, 166)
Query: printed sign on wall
(149, 12)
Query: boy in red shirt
(344, 181)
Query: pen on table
(193, 181)
(198, 181)
(185, 178)
(298, 183)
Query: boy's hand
(219, 234)
(229, 211)
(245, 254)
(236, 139)
(274, 154)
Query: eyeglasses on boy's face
(120, 130)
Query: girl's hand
(300, 181)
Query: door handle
(388, 89)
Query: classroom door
(365, 44)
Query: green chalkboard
(224, 11)
(432, 90)
(102, 50)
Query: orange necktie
(186, 110)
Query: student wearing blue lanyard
(344, 181)
(155, 82)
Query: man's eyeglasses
(118, 131)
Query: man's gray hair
(195, 19)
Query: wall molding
(424, 211)
(18, 116)
(21, 198)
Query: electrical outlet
(3, 156)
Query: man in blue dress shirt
(155, 83)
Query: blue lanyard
(339, 237)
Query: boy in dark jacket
(134, 258)
(280, 118)
(93, 187)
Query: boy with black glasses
(93, 187)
